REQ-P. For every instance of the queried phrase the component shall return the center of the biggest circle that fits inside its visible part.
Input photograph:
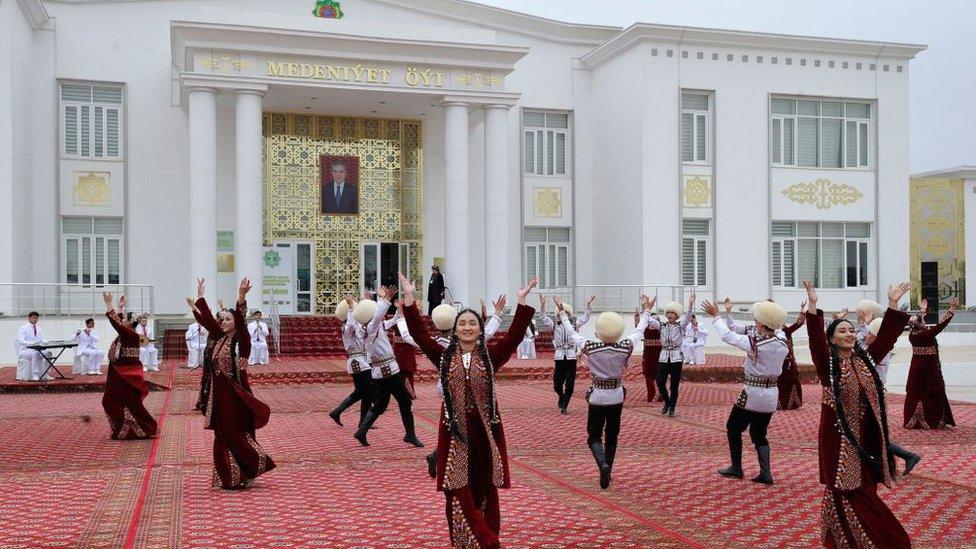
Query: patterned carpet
(63, 483)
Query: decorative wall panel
(938, 234)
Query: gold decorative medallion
(92, 189)
(547, 202)
(697, 192)
(823, 193)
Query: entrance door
(381, 261)
(289, 278)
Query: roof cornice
(513, 21)
(35, 12)
(957, 172)
(644, 32)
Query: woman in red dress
(472, 462)
(926, 404)
(125, 387)
(853, 435)
(649, 357)
(231, 410)
(788, 383)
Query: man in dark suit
(339, 196)
(435, 289)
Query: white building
(497, 143)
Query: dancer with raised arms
(472, 462)
(125, 387)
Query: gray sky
(942, 78)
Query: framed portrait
(339, 177)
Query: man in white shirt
(259, 340)
(566, 351)
(31, 364)
(148, 355)
(694, 344)
(87, 349)
(196, 344)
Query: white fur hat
(609, 327)
(875, 326)
(443, 317)
(364, 311)
(769, 314)
(568, 309)
(342, 310)
(868, 306)
(674, 307)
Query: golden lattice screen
(938, 234)
(390, 186)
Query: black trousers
(603, 425)
(672, 370)
(564, 380)
(393, 386)
(757, 422)
(362, 391)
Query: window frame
(863, 128)
(863, 245)
(545, 139)
(545, 268)
(87, 243)
(91, 129)
(698, 241)
(696, 115)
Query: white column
(203, 186)
(250, 194)
(457, 275)
(496, 199)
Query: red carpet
(63, 483)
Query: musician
(196, 345)
(148, 355)
(259, 340)
(31, 363)
(87, 350)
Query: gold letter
(411, 77)
(384, 76)
(320, 72)
(307, 70)
(276, 69)
(333, 72)
(292, 69)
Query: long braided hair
(444, 368)
(875, 463)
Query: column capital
(499, 107)
(247, 91)
(446, 104)
(205, 89)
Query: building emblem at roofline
(327, 9)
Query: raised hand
(243, 289)
(201, 287)
(842, 314)
(499, 304)
(542, 302)
(895, 293)
(220, 304)
(350, 303)
(524, 292)
(107, 298)
(812, 297)
(691, 301)
(803, 305)
(953, 305)
(728, 304)
(121, 303)
(559, 304)
(646, 303)
(409, 290)
(710, 309)
(590, 301)
(191, 303)
(651, 303)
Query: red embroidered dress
(470, 470)
(926, 403)
(125, 387)
(788, 383)
(852, 513)
(232, 412)
(649, 360)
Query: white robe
(30, 363)
(88, 358)
(148, 355)
(196, 344)
(259, 342)
(694, 344)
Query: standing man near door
(435, 289)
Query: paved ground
(63, 483)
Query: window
(547, 255)
(829, 254)
(92, 248)
(694, 127)
(694, 252)
(91, 120)
(819, 134)
(546, 148)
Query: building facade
(153, 142)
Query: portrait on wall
(340, 185)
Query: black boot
(667, 406)
(432, 464)
(364, 427)
(601, 461)
(765, 473)
(735, 455)
(911, 458)
(611, 452)
(410, 437)
(346, 403)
